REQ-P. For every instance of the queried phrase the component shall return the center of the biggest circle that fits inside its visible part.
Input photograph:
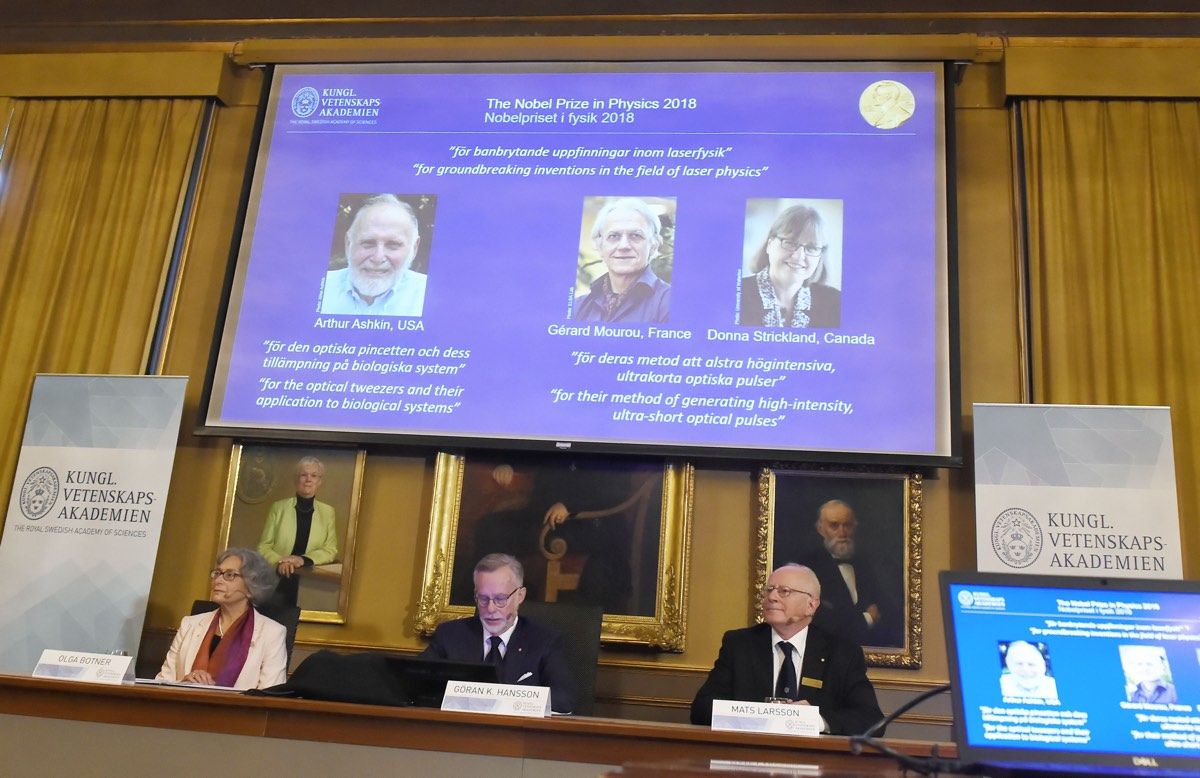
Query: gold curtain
(90, 192)
(1113, 196)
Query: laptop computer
(1060, 675)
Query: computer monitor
(424, 680)
(1074, 674)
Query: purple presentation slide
(710, 257)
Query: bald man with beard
(853, 602)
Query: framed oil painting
(624, 543)
(267, 490)
(861, 534)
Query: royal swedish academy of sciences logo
(1017, 537)
(39, 493)
(305, 102)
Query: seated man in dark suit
(786, 657)
(523, 651)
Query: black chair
(288, 616)
(579, 626)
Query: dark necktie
(493, 655)
(785, 687)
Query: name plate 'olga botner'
(82, 666)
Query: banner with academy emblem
(83, 523)
(1076, 490)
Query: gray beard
(368, 286)
(840, 549)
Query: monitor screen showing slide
(1075, 672)
(715, 259)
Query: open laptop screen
(1074, 672)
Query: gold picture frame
(490, 503)
(887, 565)
(260, 476)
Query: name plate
(504, 699)
(732, 716)
(78, 666)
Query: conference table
(52, 726)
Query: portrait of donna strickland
(791, 264)
(379, 260)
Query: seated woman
(785, 288)
(235, 645)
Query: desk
(518, 746)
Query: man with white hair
(1026, 675)
(1146, 673)
(626, 235)
(788, 658)
(853, 599)
(378, 280)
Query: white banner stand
(85, 515)
(1076, 490)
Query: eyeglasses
(228, 575)
(783, 591)
(791, 247)
(635, 237)
(499, 600)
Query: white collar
(798, 640)
(504, 636)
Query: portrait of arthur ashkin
(378, 280)
(1025, 673)
(627, 235)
